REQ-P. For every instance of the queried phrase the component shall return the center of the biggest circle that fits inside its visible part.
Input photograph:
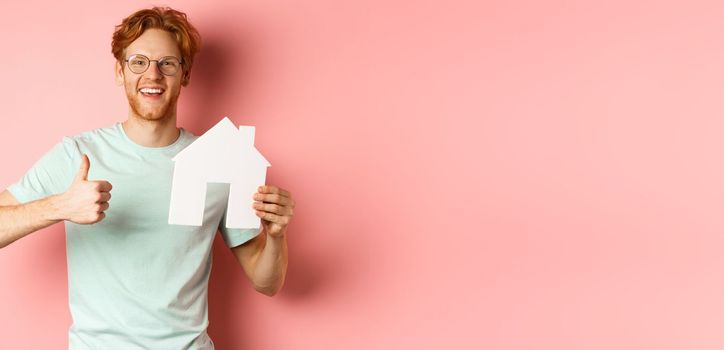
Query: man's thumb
(83, 171)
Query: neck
(151, 133)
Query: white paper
(222, 154)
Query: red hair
(165, 18)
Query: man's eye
(138, 63)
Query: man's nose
(154, 70)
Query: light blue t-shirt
(135, 282)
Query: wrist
(277, 237)
(55, 207)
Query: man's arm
(265, 257)
(264, 260)
(19, 220)
(83, 203)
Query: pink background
(469, 175)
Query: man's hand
(275, 207)
(85, 201)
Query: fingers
(104, 197)
(274, 204)
(103, 207)
(274, 190)
(279, 219)
(85, 202)
(273, 208)
(104, 186)
(96, 215)
(82, 174)
(273, 194)
(274, 198)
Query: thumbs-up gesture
(86, 201)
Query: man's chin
(155, 114)
(163, 110)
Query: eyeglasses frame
(180, 60)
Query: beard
(154, 112)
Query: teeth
(151, 91)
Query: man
(136, 282)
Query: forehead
(154, 43)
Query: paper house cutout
(222, 154)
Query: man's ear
(119, 73)
(185, 78)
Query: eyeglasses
(168, 65)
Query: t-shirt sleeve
(50, 175)
(236, 236)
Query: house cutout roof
(224, 136)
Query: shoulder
(73, 146)
(188, 134)
(95, 135)
(95, 138)
(187, 137)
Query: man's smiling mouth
(151, 92)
